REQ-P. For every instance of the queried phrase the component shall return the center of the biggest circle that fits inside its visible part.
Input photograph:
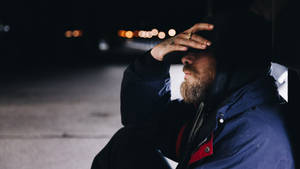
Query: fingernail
(211, 26)
(208, 43)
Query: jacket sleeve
(146, 103)
(145, 90)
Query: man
(230, 113)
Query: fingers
(196, 38)
(186, 40)
(200, 27)
(201, 40)
(178, 48)
(185, 35)
(189, 42)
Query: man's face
(200, 71)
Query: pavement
(60, 119)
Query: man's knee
(134, 135)
(102, 159)
(125, 142)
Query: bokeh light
(68, 34)
(161, 35)
(148, 34)
(103, 45)
(129, 34)
(142, 34)
(154, 32)
(76, 33)
(121, 33)
(172, 32)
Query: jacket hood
(241, 45)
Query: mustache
(190, 68)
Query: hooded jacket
(249, 131)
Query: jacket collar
(262, 90)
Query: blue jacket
(249, 134)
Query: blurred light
(6, 28)
(161, 35)
(76, 33)
(121, 33)
(154, 32)
(103, 45)
(172, 32)
(129, 34)
(139, 45)
(142, 34)
(148, 34)
(68, 34)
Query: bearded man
(230, 113)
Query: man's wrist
(155, 54)
(149, 66)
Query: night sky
(37, 27)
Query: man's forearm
(149, 68)
(145, 90)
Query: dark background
(37, 27)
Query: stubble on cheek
(194, 89)
(192, 92)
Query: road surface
(59, 119)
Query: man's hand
(182, 42)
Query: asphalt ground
(59, 118)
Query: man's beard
(193, 92)
(194, 89)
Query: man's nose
(187, 59)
